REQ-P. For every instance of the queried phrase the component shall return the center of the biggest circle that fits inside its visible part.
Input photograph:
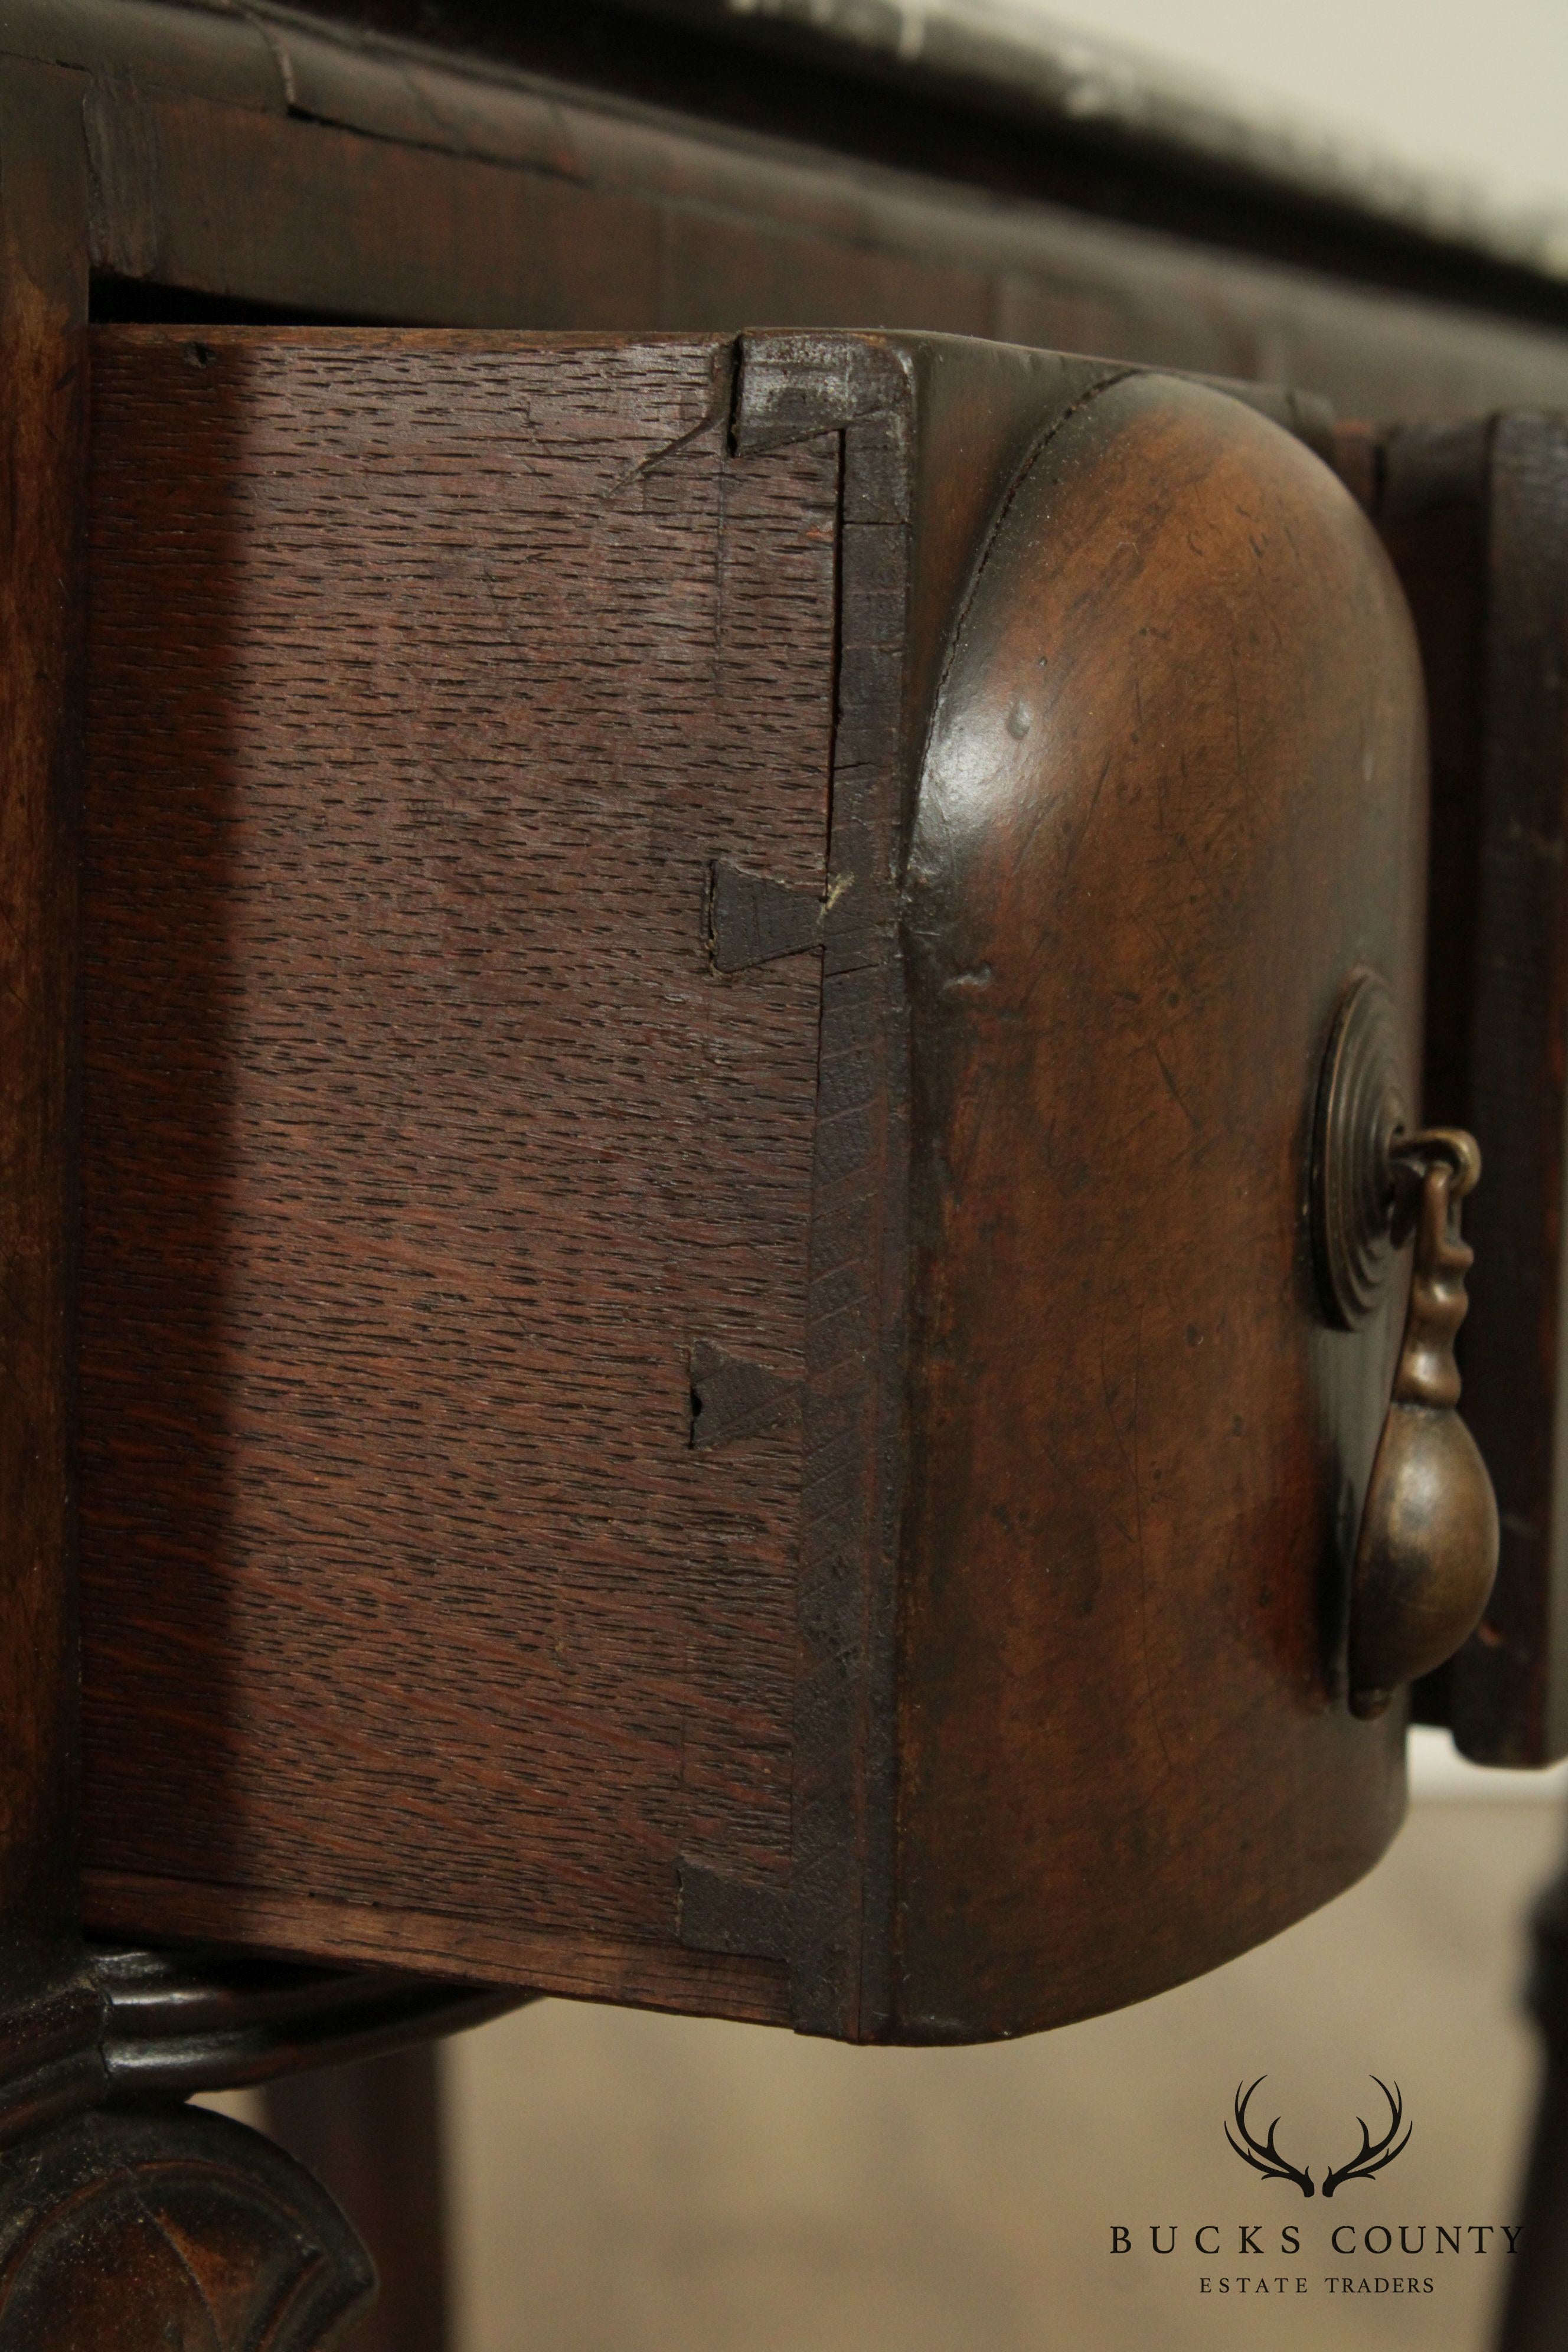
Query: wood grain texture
(854, 1413)
(476, 84)
(596, 1967)
(43, 480)
(421, 1141)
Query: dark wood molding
(535, 202)
(43, 353)
(174, 2022)
(452, 75)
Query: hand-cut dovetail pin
(732, 1397)
(751, 918)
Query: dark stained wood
(173, 2023)
(223, 54)
(933, 432)
(423, 193)
(1509, 1688)
(753, 917)
(126, 2231)
(734, 1399)
(371, 2134)
(853, 1436)
(424, 1143)
(1172, 799)
(472, 74)
(531, 1462)
(310, 1400)
(42, 356)
(116, 2232)
(1474, 517)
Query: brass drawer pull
(1427, 1550)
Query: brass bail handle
(1427, 1550)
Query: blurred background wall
(1448, 85)
(628, 2183)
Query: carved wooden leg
(131, 2223)
(372, 2134)
(1536, 2316)
(177, 2230)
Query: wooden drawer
(705, 965)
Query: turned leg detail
(131, 2222)
(171, 2231)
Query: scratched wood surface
(422, 1143)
